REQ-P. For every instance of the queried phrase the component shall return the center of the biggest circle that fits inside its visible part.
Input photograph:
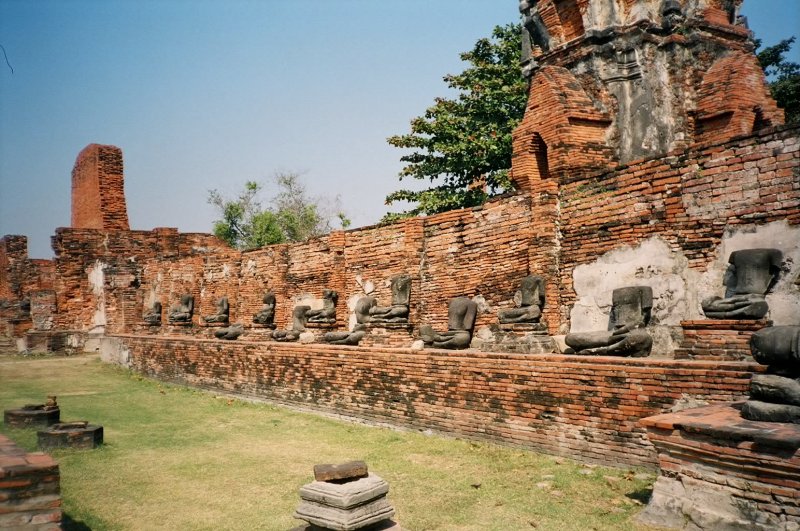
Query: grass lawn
(178, 458)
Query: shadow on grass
(68, 524)
(641, 495)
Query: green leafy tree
(783, 77)
(294, 216)
(463, 145)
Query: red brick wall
(29, 489)
(569, 405)
(689, 199)
(98, 196)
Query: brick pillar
(98, 195)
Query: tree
(294, 216)
(463, 145)
(784, 77)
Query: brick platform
(585, 408)
(718, 339)
(720, 471)
(29, 489)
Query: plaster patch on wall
(653, 264)
(784, 299)
(96, 278)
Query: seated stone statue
(460, 322)
(182, 312)
(775, 395)
(630, 312)
(362, 311)
(266, 316)
(221, 315)
(530, 307)
(153, 315)
(751, 274)
(398, 311)
(327, 314)
(229, 332)
(298, 325)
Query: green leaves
(294, 216)
(784, 76)
(463, 145)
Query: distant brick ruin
(98, 196)
(649, 151)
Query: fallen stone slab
(343, 471)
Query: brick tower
(612, 81)
(98, 196)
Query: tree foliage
(463, 145)
(783, 77)
(294, 216)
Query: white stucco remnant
(784, 299)
(652, 263)
(96, 278)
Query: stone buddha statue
(266, 316)
(751, 274)
(461, 316)
(153, 315)
(182, 312)
(398, 311)
(775, 395)
(630, 313)
(221, 314)
(362, 311)
(298, 325)
(531, 301)
(230, 333)
(327, 314)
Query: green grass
(178, 458)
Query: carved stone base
(388, 335)
(719, 471)
(35, 416)
(70, 435)
(718, 339)
(272, 326)
(519, 338)
(321, 327)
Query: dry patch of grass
(178, 458)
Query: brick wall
(689, 199)
(568, 405)
(29, 489)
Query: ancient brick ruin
(649, 151)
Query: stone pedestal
(79, 434)
(345, 506)
(34, 416)
(720, 471)
(180, 329)
(718, 339)
(519, 338)
(388, 335)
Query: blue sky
(209, 94)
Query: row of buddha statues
(750, 275)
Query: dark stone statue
(266, 316)
(327, 314)
(362, 311)
(751, 274)
(401, 297)
(230, 332)
(298, 325)
(153, 315)
(775, 395)
(221, 315)
(630, 313)
(533, 32)
(460, 322)
(182, 312)
(530, 308)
